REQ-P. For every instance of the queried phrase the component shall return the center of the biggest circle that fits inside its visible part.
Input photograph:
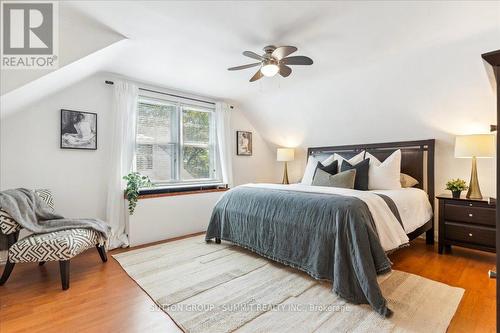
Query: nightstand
(467, 222)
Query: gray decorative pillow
(344, 179)
(362, 168)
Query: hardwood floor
(102, 298)
(463, 268)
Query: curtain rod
(173, 95)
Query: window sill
(170, 192)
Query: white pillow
(312, 163)
(386, 175)
(353, 160)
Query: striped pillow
(46, 196)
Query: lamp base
(474, 191)
(285, 175)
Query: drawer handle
(470, 214)
(470, 205)
(470, 234)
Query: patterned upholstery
(59, 245)
(8, 225)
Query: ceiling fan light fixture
(269, 69)
(275, 60)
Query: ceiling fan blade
(283, 51)
(257, 76)
(252, 55)
(285, 71)
(297, 60)
(237, 68)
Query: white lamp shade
(476, 145)
(285, 154)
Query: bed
(335, 234)
(417, 160)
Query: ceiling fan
(275, 60)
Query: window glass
(175, 142)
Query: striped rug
(222, 288)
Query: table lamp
(285, 155)
(474, 146)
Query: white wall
(31, 157)
(439, 90)
(162, 218)
(260, 167)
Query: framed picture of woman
(78, 130)
(243, 143)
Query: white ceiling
(79, 36)
(188, 45)
(377, 60)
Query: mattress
(413, 206)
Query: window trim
(158, 193)
(177, 183)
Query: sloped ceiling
(86, 45)
(79, 36)
(18, 99)
(375, 61)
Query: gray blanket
(330, 237)
(33, 214)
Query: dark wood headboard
(417, 158)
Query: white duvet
(413, 206)
(390, 232)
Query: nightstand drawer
(484, 236)
(470, 214)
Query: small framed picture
(78, 130)
(243, 143)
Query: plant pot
(456, 194)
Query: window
(176, 143)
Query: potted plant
(134, 182)
(456, 186)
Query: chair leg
(102, 252)
(41, 263)
(64, 268)
(9, 266)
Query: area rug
(208, 287)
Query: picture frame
(78, 130)
(244, 143)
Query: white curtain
(121, 159)
(223, 123)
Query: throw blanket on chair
(33, 214)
